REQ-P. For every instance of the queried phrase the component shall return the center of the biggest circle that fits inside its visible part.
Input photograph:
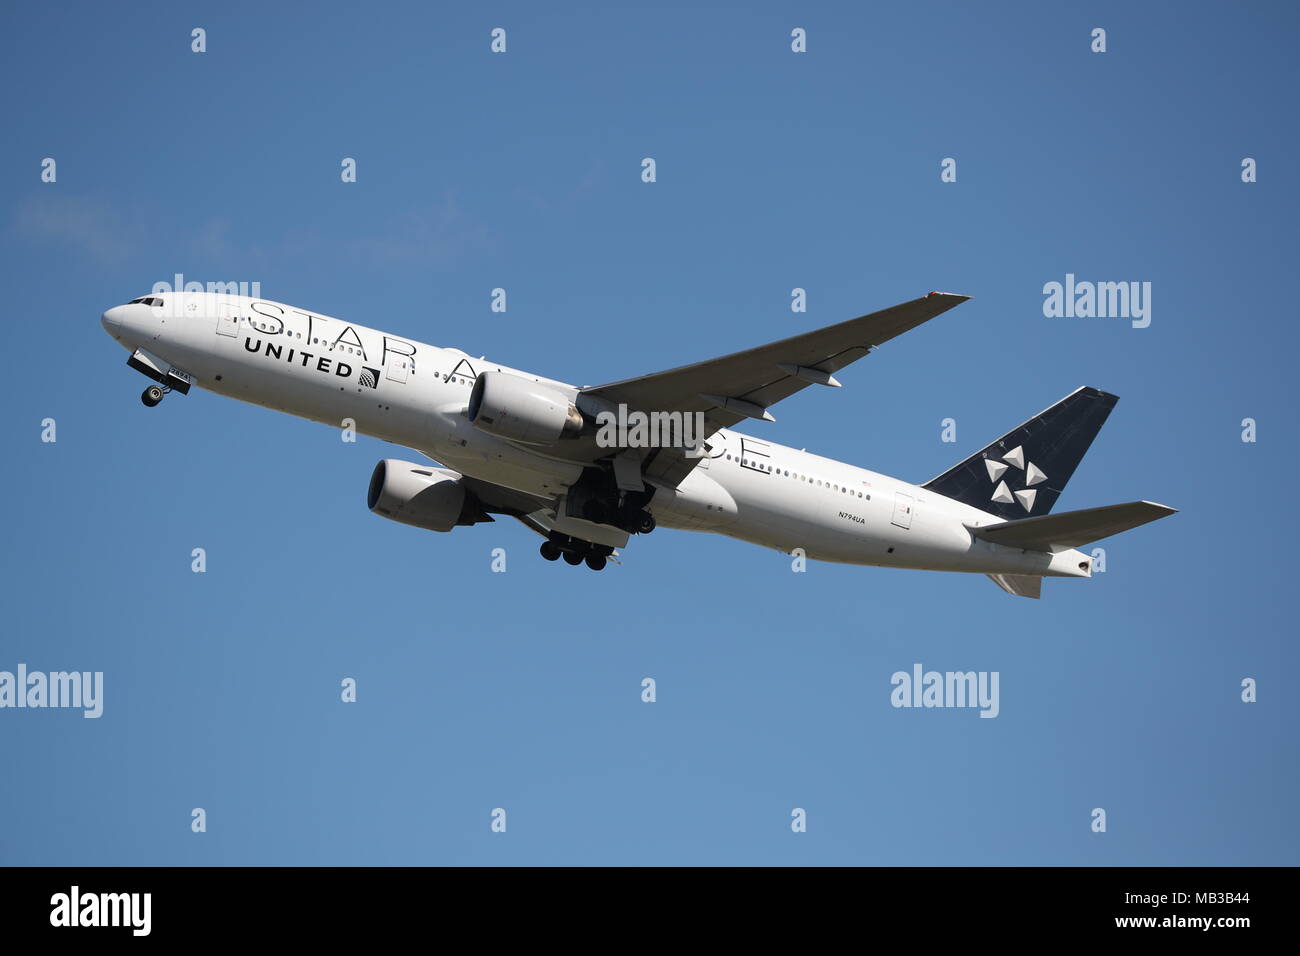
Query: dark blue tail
(1023, 473)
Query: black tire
(596, 562)
(550, 551)
(645, 523)
(151, 396)
(573, 558)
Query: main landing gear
(575, 552)
(630, 518)
(152, 395)
(596, 497)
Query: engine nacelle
(516, 409)
(418, 495)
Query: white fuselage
(412, 394)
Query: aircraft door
(227, 320)
(902, 510)
(399, 366)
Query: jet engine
(517, 409)
(419, 495)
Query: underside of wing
(540, 514)
(498, 499)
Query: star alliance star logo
(1014, 459)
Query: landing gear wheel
(550, 551)
(573, 558)
(645, 523)
(596, 562)
(151, 396)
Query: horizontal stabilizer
(1071, 529)
(1021, 585)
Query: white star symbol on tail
(1002, 493)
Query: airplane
(588, 468)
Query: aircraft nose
(112, 319)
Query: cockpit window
(146, 300)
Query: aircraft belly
(785, 517)
(698, 503)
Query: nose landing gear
(167, 376)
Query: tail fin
(1024, 472)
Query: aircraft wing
(745, 384)
(497, 499)
(536, 513)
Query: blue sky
(521, 690)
